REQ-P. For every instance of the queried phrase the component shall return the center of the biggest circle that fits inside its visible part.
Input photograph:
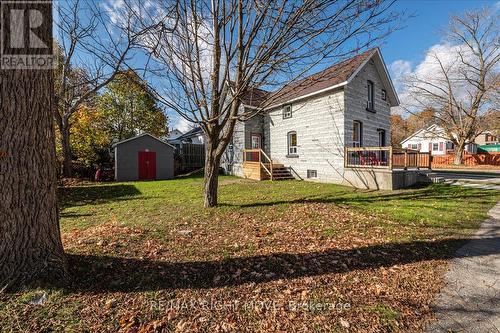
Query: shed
(143, 157)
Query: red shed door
(147, 165)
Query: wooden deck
(386, 158)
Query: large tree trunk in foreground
(30, 243)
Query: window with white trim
(381, 138)
(384, 95)
(287, 111)
(292, 143)
(357, 134)
(369, 104)
(435, 146)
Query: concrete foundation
(383, 179)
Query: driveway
(470, 302)
(487, 180)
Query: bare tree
(464, 80)
(92, 50)
(216, 52)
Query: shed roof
(140, 136)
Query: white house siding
(425, 139)
(232, 160)
(356, 97)
(319, 123)
(422, 144)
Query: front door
(255, 142)
(147, 165)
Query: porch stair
(280, 172)
(257, 165)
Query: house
(306, 129)
(173, 134)
(433, 139)
(194, 136)
(487, 138)
(143, 157)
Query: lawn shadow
(95, 273)
(96, 194)
(417, 193)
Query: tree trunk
(212, 163)
(66, 150)
(30, 243)
(459, 151)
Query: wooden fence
(491, 159)
(189, 157)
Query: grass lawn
(284, 256)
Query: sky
(405, 49)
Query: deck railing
(260, 157)
(386, 158)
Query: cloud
(183, 125)
(398, 70)
(429, 70)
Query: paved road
(470, 302)
(470, 179)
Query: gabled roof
(140, 136)
(429, 129)
(254, 97)
(330, 78)
(191, 133)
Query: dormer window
(370, 104)
(287, 111)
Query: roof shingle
(331, 76)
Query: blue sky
(422, 32)
(405, 49)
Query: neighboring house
(487, 138)
(194, 136)
(173, 137)
(310, 122)
(433, 139)
(174, 134)
(143, 157)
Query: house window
(292, 143)
(381, 138)
(384, 95)
(287, 111)
(435, 146)
(312, 174)
(357, 134)
(414, 146)
(369, 103)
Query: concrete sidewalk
(470, 302)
